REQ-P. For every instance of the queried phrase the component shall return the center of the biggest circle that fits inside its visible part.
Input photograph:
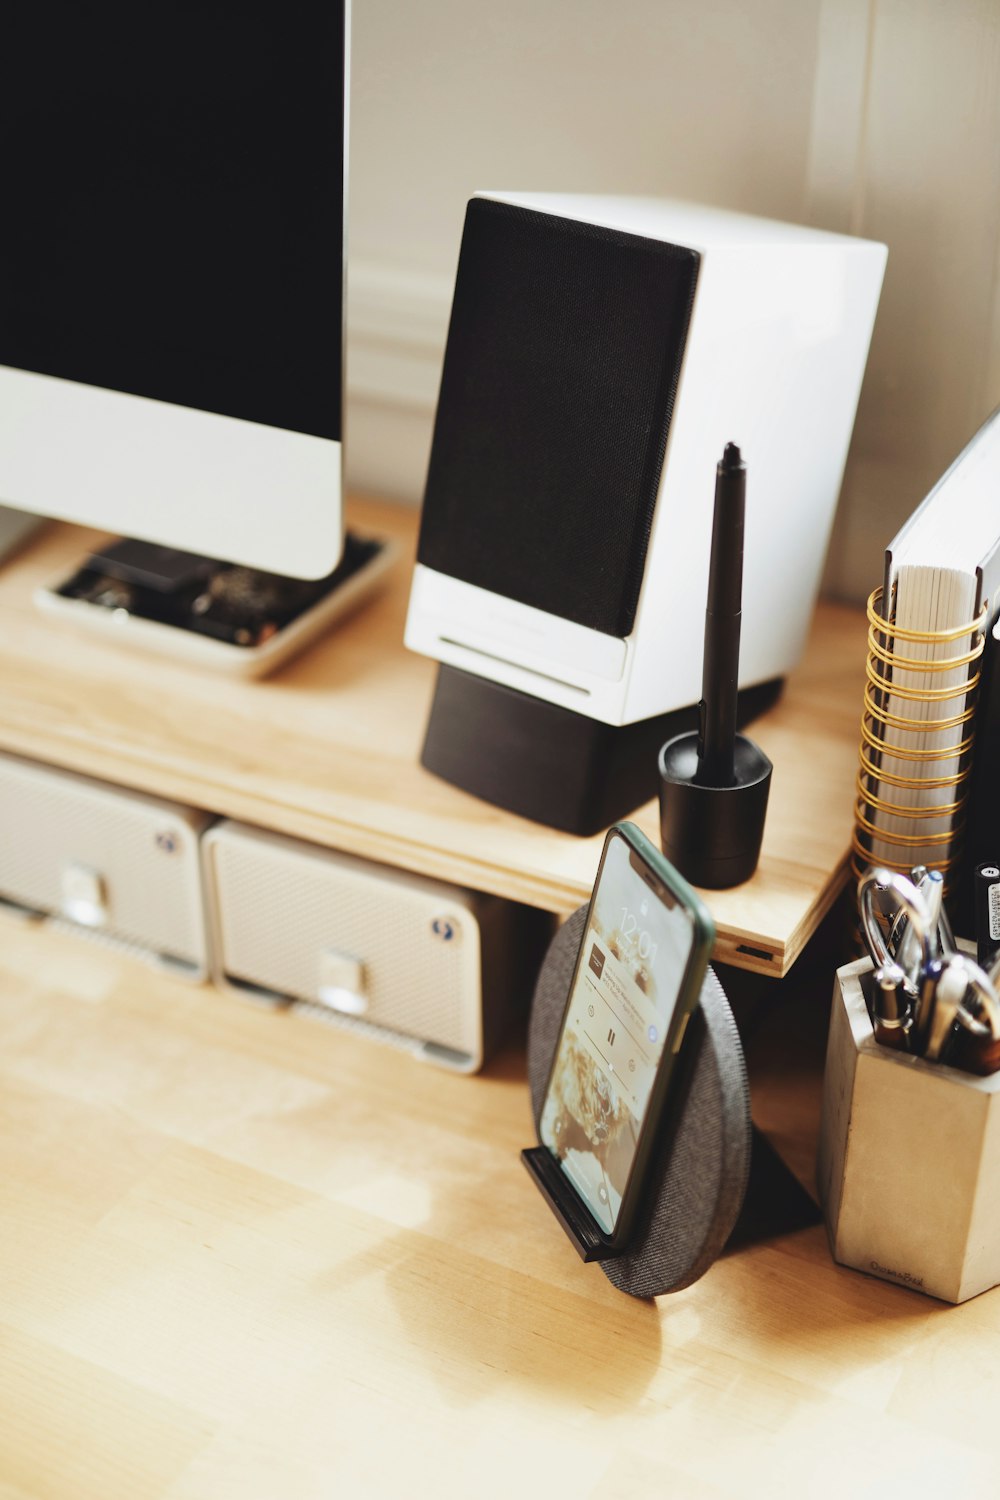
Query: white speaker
(601, 354)
(430, 967)
(117, 865)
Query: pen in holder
(714, 784)
(916, 743)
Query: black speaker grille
(563, 357)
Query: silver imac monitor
(172, 177)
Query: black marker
(723, 617)
(987, 913)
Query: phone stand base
(698, 1180)
(555, 1189)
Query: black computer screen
(171, 202)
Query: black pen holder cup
(698, 1178)
(909, 1158)
(713, 834)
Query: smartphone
(638, 977)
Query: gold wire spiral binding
(917, 749)
(900, 722)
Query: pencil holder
(909, 1158)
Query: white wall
(881, 117)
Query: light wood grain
(246, 1255)
(328, 750)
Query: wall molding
(835, 173)
(397, 323)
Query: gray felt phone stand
(699, 1179)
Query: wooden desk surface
(245, 1255)
(328, 749)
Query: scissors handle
(910, 901)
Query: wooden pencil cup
(909, 1159)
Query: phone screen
(633, 960)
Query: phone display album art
(635, 954)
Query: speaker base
(546, 762)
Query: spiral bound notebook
(927, 629)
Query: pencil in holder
(917, 732)
(909, 1158)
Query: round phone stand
(698, 1178)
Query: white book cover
(941, 593)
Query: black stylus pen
(723, 615)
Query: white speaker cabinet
(432, 968)
(116, 865)
(717, 327)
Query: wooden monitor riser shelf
(328, 750)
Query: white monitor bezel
(221, 486)
(232, 489)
